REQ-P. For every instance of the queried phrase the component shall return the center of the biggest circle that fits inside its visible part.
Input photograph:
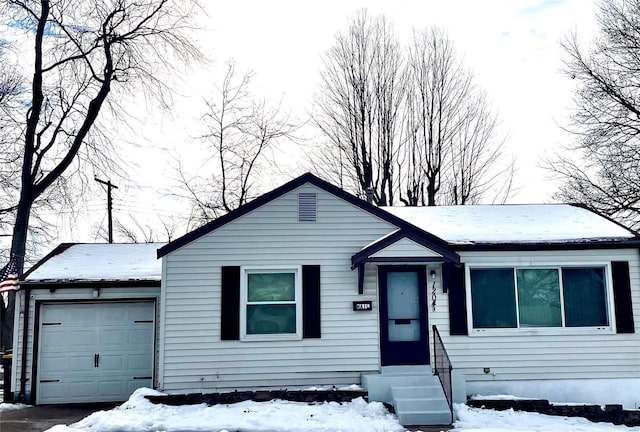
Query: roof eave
(102, 283)
(363, 255)
(547, 245)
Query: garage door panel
(141, 312)
(113, 316)
(54, 366)
(52, 337)
(112, 362)
(83, 315)
(111, 336)
(112, 388)
(138, 362)
(141, 336)
(67, 369)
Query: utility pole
(109, 204)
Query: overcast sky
(512, 46)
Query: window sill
(564, 331)
(271, 338)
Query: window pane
(271, 287)
(493, 298)
(584, 297)
(271, 319)
(539, 298)
(403, 298)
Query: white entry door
(94, 352)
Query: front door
(403, 315)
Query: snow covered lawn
(482, 420)
(140, 415)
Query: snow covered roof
(99, 261)
(526, 223)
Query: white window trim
(542, 331)
(244, 272)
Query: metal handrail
(443, 368)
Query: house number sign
(362, 305)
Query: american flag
(9, 277)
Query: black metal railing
(443, 368)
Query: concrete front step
(406, 370)
(420, 405)
(423, 404)
(435, 418)
(415, 393)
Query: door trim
(421, 270)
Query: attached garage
(90, 312)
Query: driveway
(41, 418)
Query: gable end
(288, 187)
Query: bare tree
(242, 131)
(11, 84)
(358, 106)
(478, 168)
(439, 89)
(600, 168)
(12, 90)
(132, 230)
(451, 152)
(83, 52)
(414, 128)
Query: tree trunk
(18, 249)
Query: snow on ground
(482, 420)
(140, 415)
(11, 407)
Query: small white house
(308, 285)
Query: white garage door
(94, 352)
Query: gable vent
(307, 207)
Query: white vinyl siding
(536, 353)
(405, 248)
(194, 357)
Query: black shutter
(457, 299)
(311, 301)
(230, 313)
(622, 296)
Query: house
(277, 294)
(91, 311)
(308, 285)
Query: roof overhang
(433, 251)
(66, 283)
(629, 243)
